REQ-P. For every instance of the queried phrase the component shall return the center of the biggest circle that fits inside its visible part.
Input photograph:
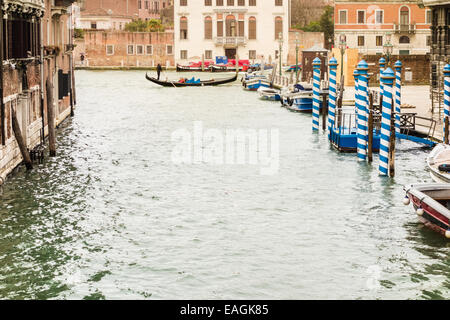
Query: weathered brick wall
(95, 43)
(418, 65)
(307, 40)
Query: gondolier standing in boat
(158, 70)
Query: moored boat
(269, 94)
(431, 203)
(191, 82)
(438, 162)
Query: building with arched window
(365, 25)
(249, 29)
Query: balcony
(404, 28)
(231, 42)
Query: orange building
(366, 24)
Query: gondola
(204, 83)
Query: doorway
(230, 53)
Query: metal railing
(236, 41)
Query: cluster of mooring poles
(390, 101)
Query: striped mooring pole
(382, 64)
(316, 94)
(387, 77)
(363, 115)
(446, 100)
(333, 94)
(398, 94)
(357, 102)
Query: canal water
(113, 216)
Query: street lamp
(342, 46)
(297, 44)
(280, 41)
(388, 48)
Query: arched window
(278, 26)
(230, 26)
(183, 28)
(208, 27)
(403, 39)
(404, 16)
(252, 28)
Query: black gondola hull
(206, 83)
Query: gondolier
(158, 70)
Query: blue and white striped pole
(363, 81)
(398, 94)
(382, 63)
(333, 93)
(446, 96)
(356, 77)
(316, 94)
(387, 77)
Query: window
(403, 39)
(130, 49)
(428, 16)
(379, 41)
(241, 28)
(252, 3)
(208, 54)
(219, 3)
(252, 54)
(93, 25)
(139, 4)
(252, 28)
(183, 3)
(149, 49)
(278, 27)
(139, 49)
(208, 28)
(208, 3)
(278, 2)
(404, 16)
(378, 16)
(403, 52)
(342, 16)
(146, 4)
(169, 50)
(230, 2)
(360, 41)
(361, 17)
(241, 2)
(183, 28)
(220, 28)
(183, 54)
(109, 49)
(230, 26)
(428, 41)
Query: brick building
(152, 9)
(306, 41)
(106, 14)
(36, 49)
(366, 23)
(104, 48)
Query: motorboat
(438, 162)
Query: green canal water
(112, 216)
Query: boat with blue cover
(299, 99)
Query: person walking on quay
(158, 70)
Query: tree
(325, 25)
(152, 25)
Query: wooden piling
(446, 130)
(391, 160)
(50, 119)
(370, 130)
(324, 111)
(20, 141)
(203, 62)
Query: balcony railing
(231, 41)
(405, 28)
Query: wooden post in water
(392, 149)
(324, 111)
(446, 130)
(370, 130)
(50, 118)
(237, 64)
(20, 141)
